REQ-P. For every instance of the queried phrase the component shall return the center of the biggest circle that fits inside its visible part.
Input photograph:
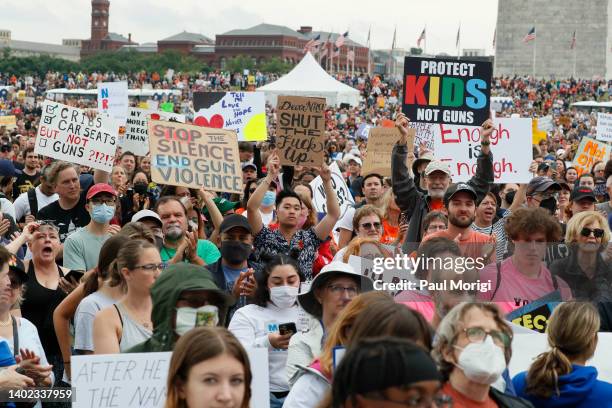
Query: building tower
(99, 23)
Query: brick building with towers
(572, 38)
(101, 39)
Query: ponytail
(543, 375)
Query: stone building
(551, 54)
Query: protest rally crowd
(100, 262)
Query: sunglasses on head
(597, 232)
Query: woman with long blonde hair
(560, 376)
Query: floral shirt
(272, 242)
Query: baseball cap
(437, 165)
(425, 157)
(350, 157)
(458, 188)
(146, 214)
(235, 220)
(247, 165)
(17, 269)
(223, 205)
(581, 193)
(540, 184)
(7, 169)
(100, 188)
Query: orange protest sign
(589, 152)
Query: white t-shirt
(84, 318)
(22, 204)
(266, 219)
(7, 207)
(251, 325)
(346, 222)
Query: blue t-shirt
(230, 275)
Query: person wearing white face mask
(272, 319)
(82, 248)
(472, 347)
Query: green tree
(6, 52)
(240, 63)
(275, 65)
(416, 51)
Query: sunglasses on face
(597, 232)
(370, 225)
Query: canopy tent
(308, 79)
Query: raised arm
(215, 215)
(326, 225)
(519, 197)
(404, 188)
(483, 177)
(255, 199)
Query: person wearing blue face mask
(82, 248)
(267, 207)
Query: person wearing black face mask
(234, 272)
(541, 192)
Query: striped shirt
(499, 231)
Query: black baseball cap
(458, 188)
(235, 220)
(580, 193)
(540, 184)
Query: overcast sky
(152, 20)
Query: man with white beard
(180, 244)
(414, 204)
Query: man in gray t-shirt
(82, 247)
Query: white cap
(350, 157)
(142, 214)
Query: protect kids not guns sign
(447, 91)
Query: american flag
(573, 43)
(340, 40)
(421, 38)
(531, 35)
(351, 55)
(314, 42)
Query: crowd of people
(96, 262)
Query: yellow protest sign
(10, 122)
(590, 151)
(537, 135)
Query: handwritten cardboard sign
(319, 198)
(510, 144)
(380, 147)
(66, 133)
(243, 112)
(194, 156)
(447, 91)
(139, 379)
(590, 151)
(10, 122)
(604, 126)
(300, 131)
(424, 134)
(136, 138)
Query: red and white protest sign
(510, 144)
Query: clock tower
(99, 22)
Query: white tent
(309, 79)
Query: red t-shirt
(462, 401)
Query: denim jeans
(276, 402)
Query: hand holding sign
(487, 131)
(325, 173)
(402, 123)
(273, 167)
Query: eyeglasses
(369, 225)
(337, 290)
(478, 335)
(597, 232)
(438, 401)
(100, 201)
(152, 267)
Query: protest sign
(535, 315)
(363, 131)
(537, 135)
(300, 132)
(242, 112)
(546, 123)
(66, 133)
(447, 91)
(167, 107)
(380, 147)
(137, 131)
(590, 151)
(139, 379)
(510, 144)
(604, 126)
(425, 134)
(194, 156)
(319, 199)
(526, 347)
(113, 100)
(10, 122)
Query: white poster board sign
(345, 199)
(66, 133)
(604, 126)
(113, 100)
(136, 138)
(139, 379)
(511, 145)
(526, 347)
